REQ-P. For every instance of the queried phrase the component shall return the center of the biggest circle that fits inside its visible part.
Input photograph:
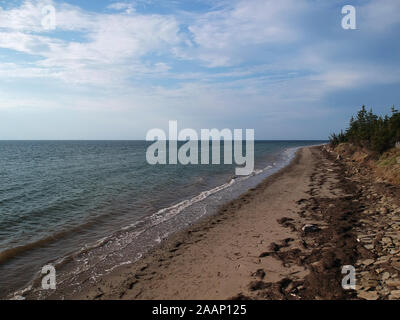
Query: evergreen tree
(371, 131)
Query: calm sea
(89, 206)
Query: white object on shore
(310, 228)
(397, 145)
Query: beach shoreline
(139, 231)
(170, 247)
(287, 238)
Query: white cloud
(380, 15)
(221, 35)
(25, 18)
(113, 45)
(277, 64)
(127, 7)
(248, 22)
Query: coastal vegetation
(370, 131)
(373, 141)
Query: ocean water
(90, 206)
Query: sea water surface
(89, 206)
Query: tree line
(370, 131)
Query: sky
(116, 69)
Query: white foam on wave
(118, 265)
(170, 212)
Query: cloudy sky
(114, 70)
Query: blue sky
(115, 69)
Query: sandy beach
(219, 257)
(288, 238)
(223, 256)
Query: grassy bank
(385, 166)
